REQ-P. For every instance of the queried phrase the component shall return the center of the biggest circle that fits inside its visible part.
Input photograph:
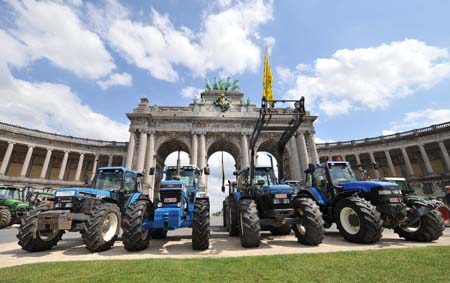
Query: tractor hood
(365, 186)
(278, 189)
(84, 192)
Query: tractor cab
(9, 192)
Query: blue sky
(365, 68)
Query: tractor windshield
(9, 194)
(265, 174)
(108, 180)
(188, 177)
(341, 173)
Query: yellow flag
(267, 80)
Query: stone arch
(167, 145)
(229, 145)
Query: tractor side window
(139, 185)
(320, 179)
(309, 181)
(129, 181)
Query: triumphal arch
(220, 120)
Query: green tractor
(12, 206)
(14, 203)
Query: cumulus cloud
(123, 79)
(227, 41)
(53, 31)
(368, 78)
(419, 119)
(191, 92)
(53, 107)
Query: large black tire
(429, 228)
(311, 229)
(200, 225)
(159, 234)
(233, 219)
(281, 230)
(135, 238)
(249, 228)
(5, 218)
(224, 213)
(358, 220)
(33, 240)
(103, 216)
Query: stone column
(110, 160)
(26, 162)
(94, 166)
(141, 151)
(46, 163)
(149, 180)
(244, 149)
(409, 168)
(313, 149)
(358, 160)
(372, 160)
(124, 160)
(302, 151)
(130, 150)
(294, 162)
(194, 146)
(79, 167)
(62, 170)
(445, 154)
(201, 159)
(6, 158)
(426, 160)
(390, 164)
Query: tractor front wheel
(102, 227)
(135, 237)
(427, 228)
(358, 220)
(5, 218)
(200, 225)
(249, 228)
(310, 230)
(233, 218)
(34, 240)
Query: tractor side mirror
(206, 170)
(234, 173)
(152, 171)
(311, 167)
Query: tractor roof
(325, 164)
(8, 187)
(124, 169)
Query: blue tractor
(361, 209)
(260, 201)
(179, 204)
(95, 212)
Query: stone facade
(203, 128)
(420, 155)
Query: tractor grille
(282, 205)
(170, 196)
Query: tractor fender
(422, 206)
(135, 197)
(307, 194)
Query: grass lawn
(430, 264)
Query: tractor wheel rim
(445, 215)
(413, 227)
(301, 229)
(350, 220)
(109, 226)
(48, 235)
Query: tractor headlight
(57, 205)
(179, 204)
(276, 201)
(389, 192)
(159, 204)
(65, 193)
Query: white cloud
(53, 107)
(319, 140)
(53, 31)
(370, 78)
(419, 119)
(227, 41)
(123, 79)
(191, 92)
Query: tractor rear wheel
(224, 213)
(358, 220)
(159, 234)
(233, 219)
(102, 227)
(249, 228)
(281, 230)
(310, 231)
(445, 213)
(34, 240)
(5, 218)
(427, 228)
(200, 225)
(134, 237)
